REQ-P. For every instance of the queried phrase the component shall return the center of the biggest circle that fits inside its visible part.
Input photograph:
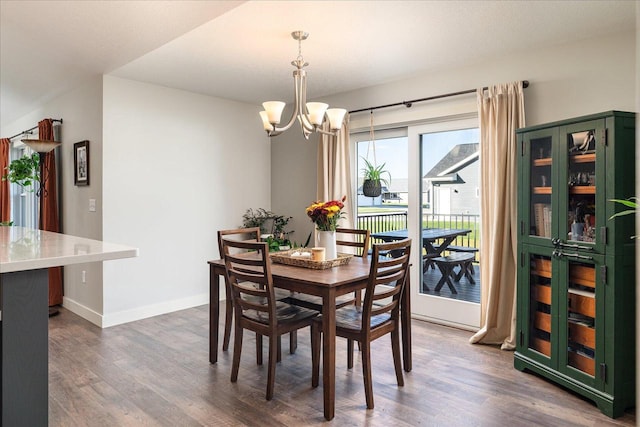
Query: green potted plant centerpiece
(373, 180)
(272, 226)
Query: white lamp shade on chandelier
(310, 115)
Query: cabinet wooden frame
(575, 299)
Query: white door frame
(447, 311)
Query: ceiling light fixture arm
(310, 115)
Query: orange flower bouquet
(325, 215)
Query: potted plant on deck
(373, 180)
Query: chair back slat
(387, 278)
(249, 234)
(354, 238)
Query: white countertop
(29, 249)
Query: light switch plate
(92, 205)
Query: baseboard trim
(444, 322)
(138, 313)
(82, 311)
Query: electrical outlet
(84, 276)
(92, 205)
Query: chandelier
(310, 115)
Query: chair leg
(349, 354)
(273, 354)
(279, 349)
(315, 353)
(228, 321)
(397, 361)
(358, 300)
(366, 373)
(293, 341)
(237, 350)
(258, 349)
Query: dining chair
(255, 305)
(380, 314)
(355, 240)
(250, 234)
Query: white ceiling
(242, 50)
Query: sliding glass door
(433, 196)
(446, 285)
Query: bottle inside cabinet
(540, 300)
(581, 215)
(541, 189)
(581, 319)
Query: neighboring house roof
(460, 156)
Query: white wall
(178, 166)
(81, 111)
(566, 81)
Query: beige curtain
(501, 112)
(334, 175)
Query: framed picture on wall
(81, 163)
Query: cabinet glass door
(538, 186)
(585, 185)
(581, 325)
(538, 338)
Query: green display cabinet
(576, 267)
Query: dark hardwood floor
(155, 372)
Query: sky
(394, 151)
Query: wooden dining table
(328, 284)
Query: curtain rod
(408, 104)
(25, 132)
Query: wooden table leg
(329, 354)
(405, 319)
(214, 313)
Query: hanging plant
(372, 174)
(373, 180)
(24, 171)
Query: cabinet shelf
(542, 162)
(542, 190)
(582, 363)
(583, 158)
(542, 346)
(543, 294)
(542, 321)
(582, 189)
(582, 335)
(582, 275)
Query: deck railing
(380, 222)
